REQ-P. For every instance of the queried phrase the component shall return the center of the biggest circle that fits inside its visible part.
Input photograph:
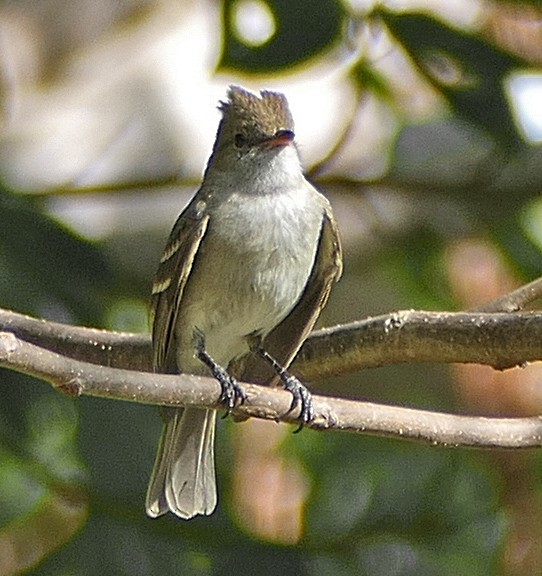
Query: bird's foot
(301, 395)
(231, 393)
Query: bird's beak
(279, 139)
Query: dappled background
(421, 121)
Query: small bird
(247, 269)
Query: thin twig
(513, 301)
(119, 187)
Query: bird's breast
(251, 268)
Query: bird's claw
(231, 394)
(300, 393)
(300, 397)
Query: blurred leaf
(19, 491)
(446, 152)
(520, 2)
(416, 266)
(128, 315)
(367, 77)
(25, 543)
(52, 422)
(521, 251)
(303, 30)
(45, 266)
(466, 69)
(384, 507)
(42, 504)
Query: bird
(248, 266)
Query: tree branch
(114, 349)
(501, 340)
(82, 378)
(115, 365)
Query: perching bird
(248, 267)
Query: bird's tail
(183, 479)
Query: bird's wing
(170, 281)
(183, 477)
(285, 340)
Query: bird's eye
(239, 140)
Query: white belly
(249, 273)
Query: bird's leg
(301, 395)
(231, 393)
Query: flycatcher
(247, 269)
